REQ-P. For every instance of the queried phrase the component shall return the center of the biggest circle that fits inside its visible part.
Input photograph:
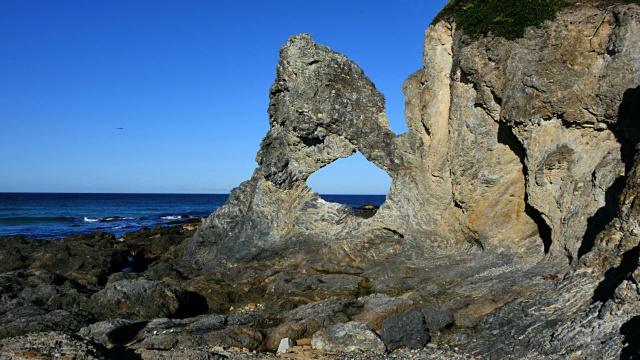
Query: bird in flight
(120, 128)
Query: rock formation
(511, 229)
(513, 191)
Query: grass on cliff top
(507, 18)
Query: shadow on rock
(615, 276)
(631, 332)
(125, 334)
(602, 217)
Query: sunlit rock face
(512, 169)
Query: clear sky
(188, 81)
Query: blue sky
(188, 81)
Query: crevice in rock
(465, 78)
(631, 342)
(615, 276)
(497, 99)
(627, 129)
(395, 232)
(603, 216)
(506, 137)
(477, 243)
(457, 204)
(426, 129)
(127, 333)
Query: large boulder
(350, 337)
(144, 299)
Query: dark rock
(149, 244)
(118, 276)
(243, 337)
(252, 319)
(51, 345)
(207, 323)
(465, 320)
(16, 252)
(88, 259)
(37, 300)
(143, 299)
(406, 330)
(346, 338)
(314, 286)
(436, 320)
(34, 321)
(41, 289)
(201, 353)
(102, 331)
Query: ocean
(54, 216)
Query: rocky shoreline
(97, 297)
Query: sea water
(54, 216)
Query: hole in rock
(353, 181)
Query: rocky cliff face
(514, 163)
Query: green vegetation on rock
(506, 18)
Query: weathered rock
(406, 330)
(51, 345)
(102, 331)
(462, 319)
(42, 321)
(378, 307)
(202, 353)
(306, 320)
(350, 337)
(37, 300)
(313, 287)
(149, 244)
(16, 252)
(209, 322)
(143, 299)
(243, 337)
(436, 320)
(88, 259)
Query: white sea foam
(86, 219)
(171, 217)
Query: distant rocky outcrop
(515, 181)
